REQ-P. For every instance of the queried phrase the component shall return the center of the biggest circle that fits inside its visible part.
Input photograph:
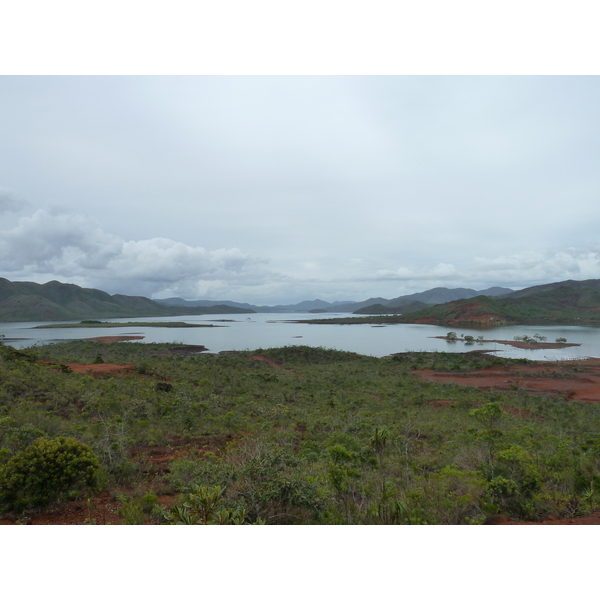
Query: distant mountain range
(412, 302)
(304, 306)
(437, 295)
(564, 302)
(55, 301)
(575, 302)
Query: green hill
(380, 309)
(593, 284)
(563, 304)
(55, 301)
(566, 302)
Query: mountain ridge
(56, 301)
(575, 302)
(571, 300)
(437, 295)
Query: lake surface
(267, 330)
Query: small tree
(204, 506)
(451, 336)
(490, 417)
(378, 442)
(45, 472)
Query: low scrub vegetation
(304, 435)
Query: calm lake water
(249, 332)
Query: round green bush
(46, 471)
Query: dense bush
(46, 471)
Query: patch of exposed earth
(94, 369)
(574, 380)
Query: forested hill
(412, 302)
(380, 309)
(566, 302)
(548, 304)
(55, 301)
(592, 284)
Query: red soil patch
(576, 380)
(99, 369)
(111, 339)
(466, 314)
(157, 458)
(101, 510)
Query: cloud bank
(51, 244)
(529, 268)
(74, 248)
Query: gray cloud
(69, 247)
(57, 242)
(9, 203)
(72, 246)
(517, 270)
(528, 268)
(440, 271)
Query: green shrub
(15, 437)
(205, 507)
(136, 511)
(46, 471)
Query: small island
(94, 323)
(536, 342)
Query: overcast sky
(279, 189)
